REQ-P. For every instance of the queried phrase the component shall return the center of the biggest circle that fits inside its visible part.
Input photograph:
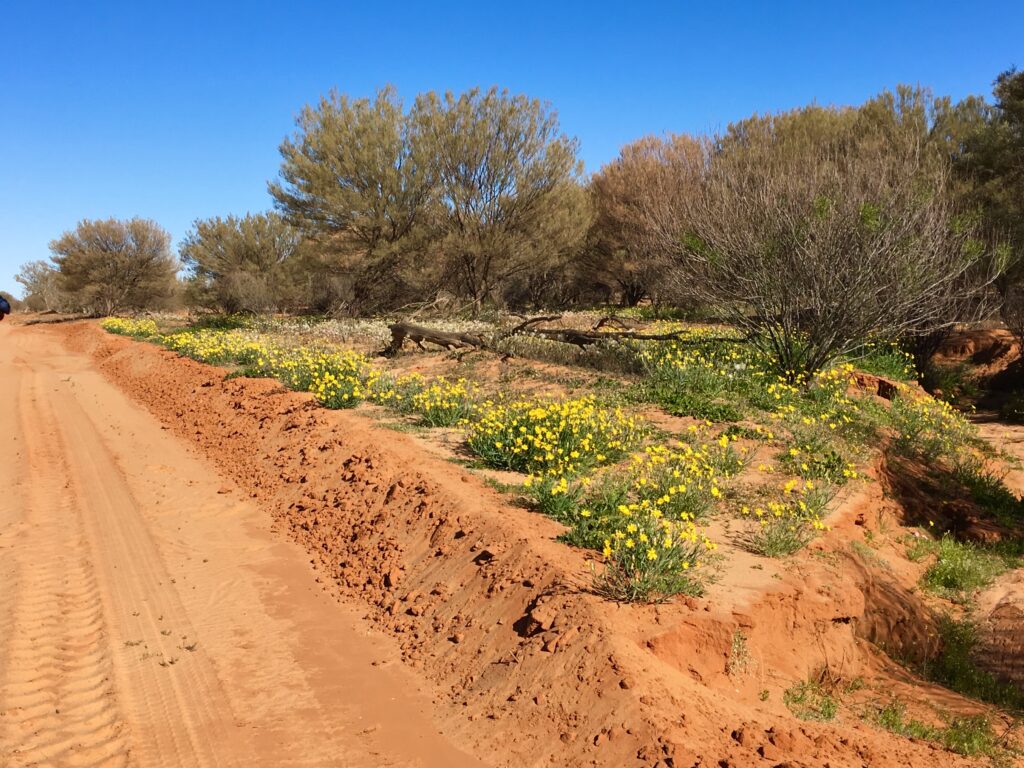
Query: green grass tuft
(955, 668)
(961, 569)
(809, 700)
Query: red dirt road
(147, 614)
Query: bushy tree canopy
(507, 184)
(111, 265)
(649, 174)
(813, 227)
(993, 161)
(352, 173)
(241, 264)
(460, 192)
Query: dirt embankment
(531, 669)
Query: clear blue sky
(174, 110)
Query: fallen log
(581, 338)
(584, 338)
(419, 334)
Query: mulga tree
(242, 264)
(649, 174)
(107, 266)
(353, 182)
(992, 167)
(41, 283)
(507, 188)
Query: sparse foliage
(42, 286)
(815, 231)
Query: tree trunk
(418, 334)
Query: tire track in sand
(83, 556)
(57, 698)
(151, 617)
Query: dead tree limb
(527, 322)
(578, 337)
(583, 338)
(419, 334)
(609, 322)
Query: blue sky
(174, 111)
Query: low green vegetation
(970, 736)
(887, 360)
(988, 490)
(810, 700)
(1012, 409)
(962, 568)
(951, 383)
(930, 429)
(955, 667)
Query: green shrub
(955, 668)
(781, 527)
(556, 498)
(814, 458)
(988, 491)
(961, 568)
(968, 736)
(778, 537)
(887, 360)
(949, 383)
(971, 736)
(683, 403)
(809, 700)
(650, 559)
(929, 428)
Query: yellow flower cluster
(650, 539)
(397, 394)
(214, 346)
(786, 523)
(839, 376)
(644, 516)
(439, 402)
(928, 426)
(445, 403)
(337, 378)
(551, 437)
(648, 557)
(683, 479)
(700, 352)
(125, 326)
(824, 401)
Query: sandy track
(149, 617)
